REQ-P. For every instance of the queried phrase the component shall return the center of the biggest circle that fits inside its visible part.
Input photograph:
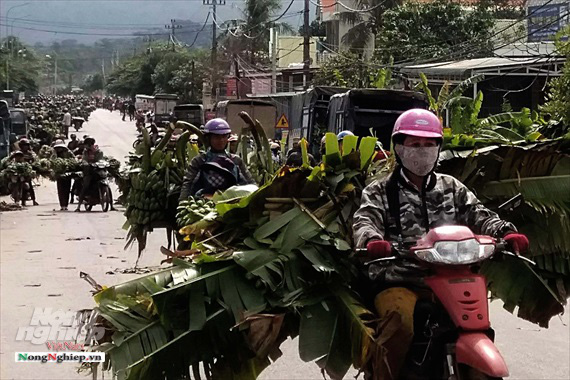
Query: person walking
(64, 182)
(66, 122)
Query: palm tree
(366, 20)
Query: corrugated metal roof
(459, 68)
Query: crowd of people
(49, 120)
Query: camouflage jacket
(446, 201)
(193, 180)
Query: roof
(469, 67)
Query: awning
(460, 70)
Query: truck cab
(18, 123)
(163, 108)
(190, 113)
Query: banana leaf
(517, 284)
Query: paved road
(42, 252)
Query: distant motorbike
(99, 191)
(77, 122)
(19, 187)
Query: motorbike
(99, 191)
(453, 338)
(19, 187)
(77, 122)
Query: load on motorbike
(20, 174)
(94, 187)
(433, 311)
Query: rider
(64, 182)
(233, 143)
(29, 157)
(295, 156)
(216, 169)
(407, 204)
(73, 143)
(340, 137)
(91, 154)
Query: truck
(144, 103)
(163, 107)
(264, 111)
(190, 113)
(10, 96)
(371, 112)
(4, 129)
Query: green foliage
(540, 174)
(352, 71)
(94, 82)
(557, 106)
(419, 31)
(162, 70)
(21, 63)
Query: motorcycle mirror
(512, 203)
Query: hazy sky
(90, 20)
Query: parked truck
(261, 110)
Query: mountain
(87, 21)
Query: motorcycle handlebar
(501, 247)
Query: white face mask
(418, 160)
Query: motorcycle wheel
(105, 197)
(17, 192)
(470, 373)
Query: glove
(517, 242)
(378, 248)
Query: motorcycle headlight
(456, 252)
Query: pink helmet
(418, 122)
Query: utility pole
(149, 40)
(306, 46)
(55, 76)
(172, 27)
(213, 3)
(273, 43)
(193, 66)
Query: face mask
(419, 161)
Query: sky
(90, 20)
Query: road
(42, 252)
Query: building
(289, 51)
(521, 81)
(337, 27)
(546, 18)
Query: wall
(290, 50)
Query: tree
(350, 70)
(441, 29)
(366, 22)
(20, 65)
(557, 106)
(316, 29)
(94, 82)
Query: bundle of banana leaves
(42, 167)
(269, 264)
(63, 166)
(46, 151)
(18, 169)
(151, 192)
(541, 173)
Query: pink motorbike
(453, 337)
